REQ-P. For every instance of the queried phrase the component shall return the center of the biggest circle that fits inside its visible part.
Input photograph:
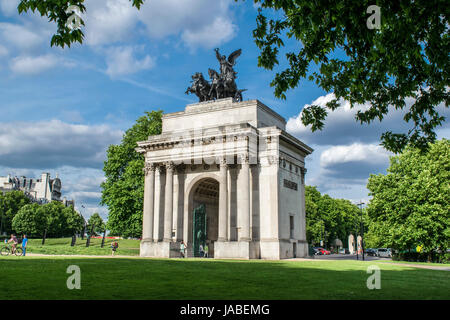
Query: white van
(384, 253)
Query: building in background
(43, 190)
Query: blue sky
(61, 108)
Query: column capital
(170, 166)
(303, 172)
(148, 168)
(223, 162)
(244, 158)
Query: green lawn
(138, 278)
(62, 246)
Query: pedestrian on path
(114, 247)
(24, 244)
(183, 249)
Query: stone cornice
(164, 142)
(222, 104)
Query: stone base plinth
(160, 249)
(270, 250)
(236, 249)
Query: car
(317, 252)
(324, 251)
(384, 253)
(372, 252)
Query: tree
(328, 219)
(56, 11)
(10, 204)
(411, 203)
(97, 222)
(123, 188)
(75, 223)
(30, 220)
(57, 225)
(406, 57)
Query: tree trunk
(43, 238)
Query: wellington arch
(224, 173)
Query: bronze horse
(200, 87)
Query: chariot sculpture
(222, 84)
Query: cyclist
(14, 242)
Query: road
(349, 257)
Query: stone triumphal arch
(225, 174)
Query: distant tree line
(328, 219)
(54, 220)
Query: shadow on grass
(207, 279)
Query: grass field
(62, 246)
(138, 278)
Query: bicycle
(7, 250)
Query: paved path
(78, 255)
(386, 261)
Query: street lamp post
(103, 240)
(356, 239)
(84, 229)
(1, 225)
(362, 228)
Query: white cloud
(203, 23)
(9, 7)
(52, 144)
(122, 61)
(221, 30)
(29, 65)
(355, 152)
(32, 65)
(109, 21)
(341, 127)
(20, 36)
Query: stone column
(157, 204)
(244, 194)
(175, 214)
(149, 197)
(168, 204)
(223, 201)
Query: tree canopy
(10, 204)
(328, 219)
(56, 11)
(52, 218)
(406, 57)
(411, 203)
(123, 188)
(30, 220)
(96, 222)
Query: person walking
(183, 249)
(114, 247)
(24, 244)
(206, 250)
(202, 252)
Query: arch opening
(205, 193)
